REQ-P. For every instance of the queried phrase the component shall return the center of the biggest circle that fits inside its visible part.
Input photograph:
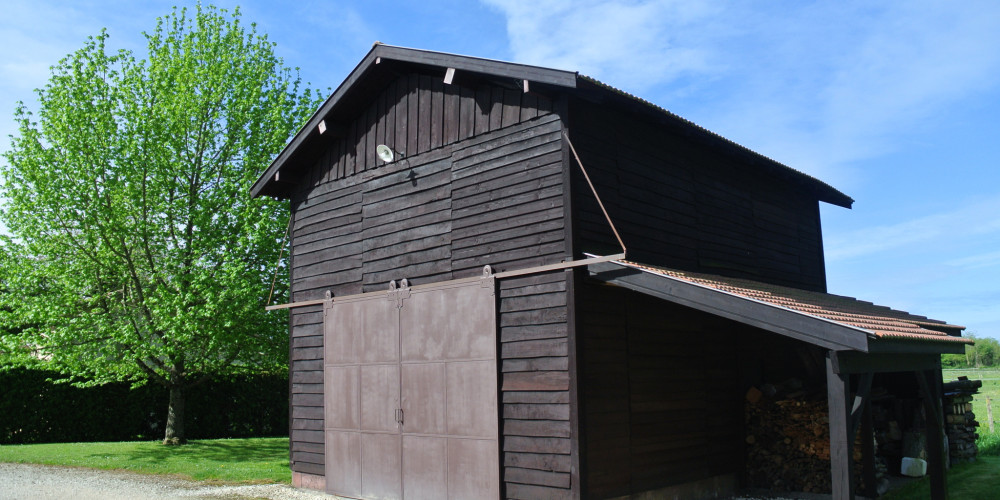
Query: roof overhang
(770, 316)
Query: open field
(257, 460)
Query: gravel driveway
(43, 482)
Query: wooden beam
(857, 362)
(860, 397)
(868, 450)
(930, 388)
(907, 346)
(816, 331)
(841, 442)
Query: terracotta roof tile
(879, 321)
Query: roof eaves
(879, 321)
(809, 328)
(312, 124)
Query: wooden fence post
(989, 413)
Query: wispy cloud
(978, 261)
(816, 85)
(638, 43)
(942, 229)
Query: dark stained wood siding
(417, 113)
(481, 183)
(535, 388)
(660, 395)
(681, 205)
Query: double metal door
(410, 381)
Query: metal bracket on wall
(399, 293)
(487, 281)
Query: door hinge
(399, 416)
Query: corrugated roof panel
(880, 321)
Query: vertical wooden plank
(333, 149)
(437, 113)
(868, 450)
(371, 137)
(339, 167)
(840, 443)
(544, 106)
(451, 109)
(325, 164)
(380, 113)
(529, 106)
(511, 113)
(391, 106)
(466, 113)
(930, 385)
(356, 149)
(496, 108)
(412, 114)
(483, 106)
(424, 114)
(400, 115)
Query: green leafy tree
(137, 252)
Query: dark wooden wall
(417, 113)
(481, 183)
(538, 432)
(681, 205)
(660, 394)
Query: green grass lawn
(969, 481)
(261, 460)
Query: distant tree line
(983, 354)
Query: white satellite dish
(384, 153)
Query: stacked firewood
(788, 444)
(960, 421)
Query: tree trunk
(175, 417)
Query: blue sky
(896, 103)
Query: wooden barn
(520, 282)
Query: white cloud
(977, 261)
(943, 229)
(815, 85)
(631, 44)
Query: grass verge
(258, 460)
(969, 481)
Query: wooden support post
(989, 413)
(841, 443)
(868, 450)
(930, 386)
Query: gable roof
(385, 62)
(831, 321)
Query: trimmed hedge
(34, 410)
